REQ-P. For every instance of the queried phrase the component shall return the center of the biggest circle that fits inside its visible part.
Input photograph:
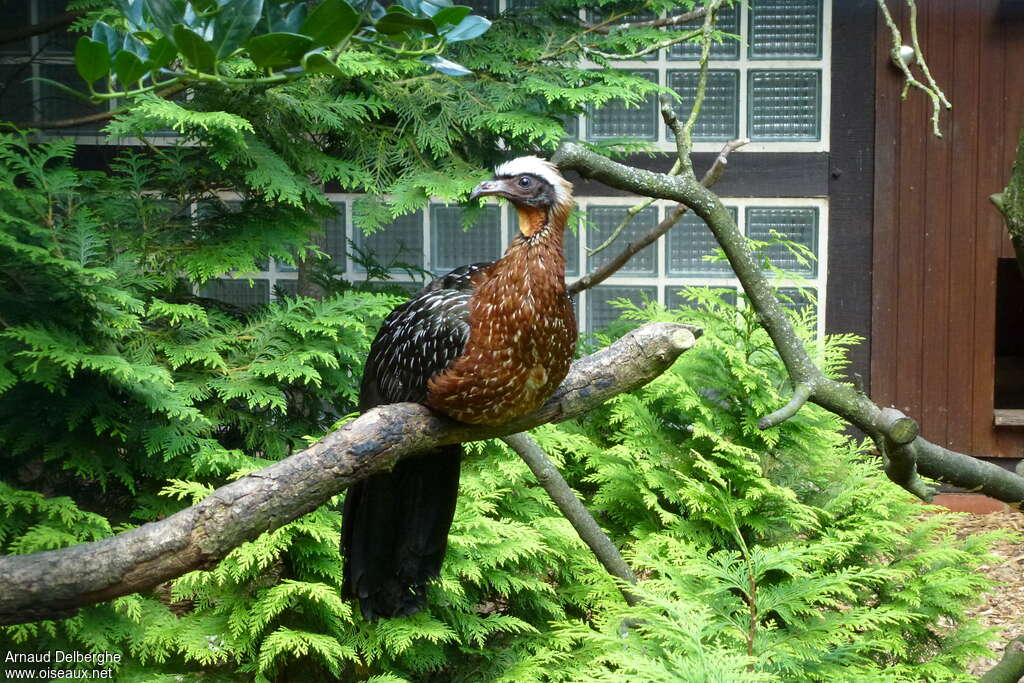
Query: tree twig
(801, 393)
(53, 584)
(573, 509)
(933, 91)
(662, 22)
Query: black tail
(395, 530)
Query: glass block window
(600, 312)
(797, 224)
(58, 42)
(602, 222)
(334, 237)
(451, 246)
(286, 288)
(571, 241)
(786, 29)
(238, 292)
(395, 245)
(674, 300)
(524, 4)
(596, 17)
(728, 22)
(784, 105)
(720, 114)
(284, 266)
(616, 120)
(688, 244)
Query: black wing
(419, 339)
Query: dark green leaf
(103, 33)
(276, 50)
(206, 5)
(132, 11)
(397, 22)
(446, 66)
(129, 68)
(165, 14)
(471, 27)
(234, 24)
(451, 15)
(331, 22)
(145, 36)
(194, 49)
(316, 62)
(91, 59)
(162, 53)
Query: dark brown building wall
(937, 238)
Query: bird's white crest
(542, 168)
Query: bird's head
(540, 194)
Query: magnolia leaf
(129, 68)
(395, 22)
(194, 49)
(103, 33)
(165, 14)
(331, 22)
(316, 62)
(451, 15)
(276, 50)
(446, 66)
(234, 24)
(132, 11)
(471, 27)
(162, 53)
(92, 60)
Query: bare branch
(570, 506)
(662, 22)
(916, 456)
(52, 584)
(801, 393)
(711, 176)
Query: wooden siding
(936, 237)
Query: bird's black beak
(488, 188)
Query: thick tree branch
(573, 509)
(1010, 668)
(53, 584)
(905, 459)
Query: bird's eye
(524, 181)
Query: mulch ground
(1002, 609)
